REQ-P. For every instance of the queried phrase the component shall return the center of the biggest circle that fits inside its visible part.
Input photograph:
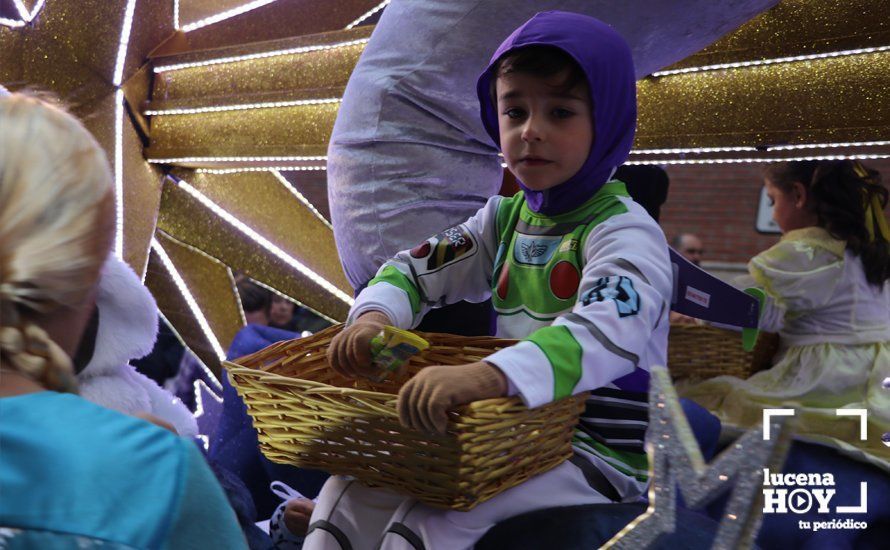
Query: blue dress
(76, 475)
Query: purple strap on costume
(600, 51)
(699, 294)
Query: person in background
(690, 246)
(74, 473)
(256, 302)
(281, 313)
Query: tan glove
(350, 351)
(425, 400)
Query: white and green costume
(588, 291)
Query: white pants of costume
(351, 515)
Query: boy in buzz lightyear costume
(573, 266)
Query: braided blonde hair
(55, 230)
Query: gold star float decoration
(97, 56)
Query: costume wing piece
(699, 294)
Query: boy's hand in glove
(350, 351)
(425, 400)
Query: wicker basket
(696, 352)
(309, 416)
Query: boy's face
(546, 134)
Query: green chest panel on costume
(540, 258)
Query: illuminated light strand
(260, 169)
(176, 160)
(243, 107)
(753, 160)
(265, 243)
(301, 198)
(766, 148)
(756, 62)
(368, 14)
(261, 55)
(24, 14)
(124, 41)
(119, 173)
(23, 11)
(691, 150)
(176, 24)
(228, 14)
(299, 303)
(14, 23)
(189, 298)
(181, 340)
(199, 402)
(828, 145)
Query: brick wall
(718, 202)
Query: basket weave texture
(309, 416)
(697, 352)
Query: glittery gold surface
(280, 19)
(317, 69)
(142, 198)
(828, 100)
(71, 50)
(212, 285)
(176, 310)
(800, 27)
(277, 131)
(191, 11)
(314, 186)
(262, 202)
(187, 220)
(11, 44)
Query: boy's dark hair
(254, 297)
(838, 192)
(539, 61)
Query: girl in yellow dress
(828, 297)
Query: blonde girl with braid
(73, 472)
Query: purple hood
(606, 59)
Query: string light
(265, 243)
(176, 15)
(124, 41)
(199, 400)
(24, 14)
(179, 160)
(242, 107)
(694, 150)
(829, 145)
(753, 160)
(207, 372)
(14, 23)
(260, 55)
(691, 150)
(220, 171)
(757, 62)
(119, 173)
(368, 14)
(301, 198)
(23, 11)
(228, 14)
(189, 298)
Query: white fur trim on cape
(128, 326)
